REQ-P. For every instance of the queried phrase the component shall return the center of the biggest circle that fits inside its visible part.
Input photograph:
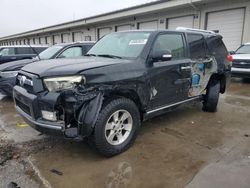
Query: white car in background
(241, 62)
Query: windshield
(243, 50)
(121, 45)
(49, 52)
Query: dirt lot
(184, 148)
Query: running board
(172, 105)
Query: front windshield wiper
(109, 56)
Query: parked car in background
(8, 71)
(127, 77)
(14, 53)
(241, 61)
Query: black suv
(8, 71)
(126, 78)
(14, 53)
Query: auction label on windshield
(138, 42)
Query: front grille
(26, 82)
(241, 64)
(24, 107)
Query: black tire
(212, 96)
(98, 139)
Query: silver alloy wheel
(118, 127)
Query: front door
(170, 80)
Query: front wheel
(212, 96)
(116, 127)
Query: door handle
(185, 67)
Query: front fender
(89, 114)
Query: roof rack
(197, 30)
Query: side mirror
(232, 52)
(162, 55)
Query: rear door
(203, 65)
(170, 80)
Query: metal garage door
(36, 40)
(148, 25)
(229, 24)
(78, 36)
(66, 38)
(123, 27)
(103, 31)
(56, 39)
(49, 40)
(185, 21)
(42, 40)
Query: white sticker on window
(138, 42)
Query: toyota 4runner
(126, 78)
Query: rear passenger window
(172, 42)
(197, 46)
(24, 51)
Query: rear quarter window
(216, 46)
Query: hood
(15, 65)
(241, 57)
(58, 67)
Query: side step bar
(172, 105)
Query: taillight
(230, 58)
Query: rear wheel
(116, 127)
(212, 96)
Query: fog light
(51, 116)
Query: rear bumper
(6, 85)
(240, 72)
(27, 106)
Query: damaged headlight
(63, 83)
(8, 74)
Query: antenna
(33, 49)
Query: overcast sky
(23, 15)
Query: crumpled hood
(59, 67)
(15, 65)
(241, 57)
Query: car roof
(25, 46)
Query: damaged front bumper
(75, 113)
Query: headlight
(63, 83)
(8, 74)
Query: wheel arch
(222, 79)
(129, 94)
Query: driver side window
(71, 52)
(171, 42)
